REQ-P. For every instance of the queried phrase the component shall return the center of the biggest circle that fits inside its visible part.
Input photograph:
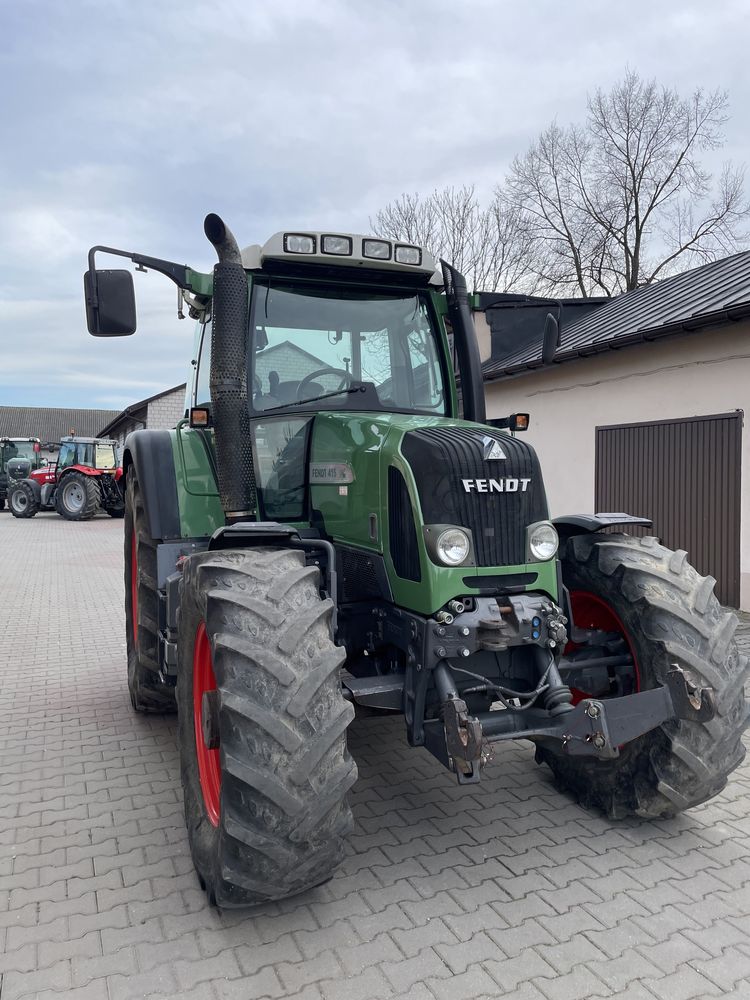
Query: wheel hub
(73, 496)
(210, 719)
(206, 725)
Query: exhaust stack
(228, 377)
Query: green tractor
(331, 527)
(19, 457)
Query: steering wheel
(346, 382)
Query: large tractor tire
(668, 614)
(22, 500)
(148, 693)
(77, 497)
(262, 725)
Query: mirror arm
(175, 272)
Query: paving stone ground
(502, 889)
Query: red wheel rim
(134, 586)
(591, 612)
(209, 767)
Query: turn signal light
(200, 416)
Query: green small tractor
(19, 457)
(332, 526)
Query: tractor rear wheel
(77, 497)
(22, 500)
(148, 693)
(262, 726)
(666, 613)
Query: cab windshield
(317, 347)
(17, 449)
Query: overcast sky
(124, 122)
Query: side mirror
(110, 303)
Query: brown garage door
(685, 476)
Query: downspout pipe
(228, 377)
(465, 341)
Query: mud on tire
(285, 768)
(147, 692)
(671, 615)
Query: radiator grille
(441, 457)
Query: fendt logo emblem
(509, 485)
(492, 449)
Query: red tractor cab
(84, 480)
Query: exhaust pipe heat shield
(228, 377)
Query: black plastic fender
(150, 453)
(581, 524)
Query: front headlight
(543, 541)
(452, 546)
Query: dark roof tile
(49, 424)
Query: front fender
(582, 524)
(150, 454)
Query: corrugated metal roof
(49, 424)
(710, 295)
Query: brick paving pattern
(503, 889)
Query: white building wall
(166, 411)
(689, 376)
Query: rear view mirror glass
(110, 303)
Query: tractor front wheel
(22, 500)
(262, 726)
(650, 601)
(77, 497)
(148, 692)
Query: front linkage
(460, 739)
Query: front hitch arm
(593, 728)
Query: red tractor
(84, 480)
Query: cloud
(130, 120)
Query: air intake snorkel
(228, 378)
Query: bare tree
(488, 245)
(623, 199)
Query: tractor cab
(18, 458)
(90, 455)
